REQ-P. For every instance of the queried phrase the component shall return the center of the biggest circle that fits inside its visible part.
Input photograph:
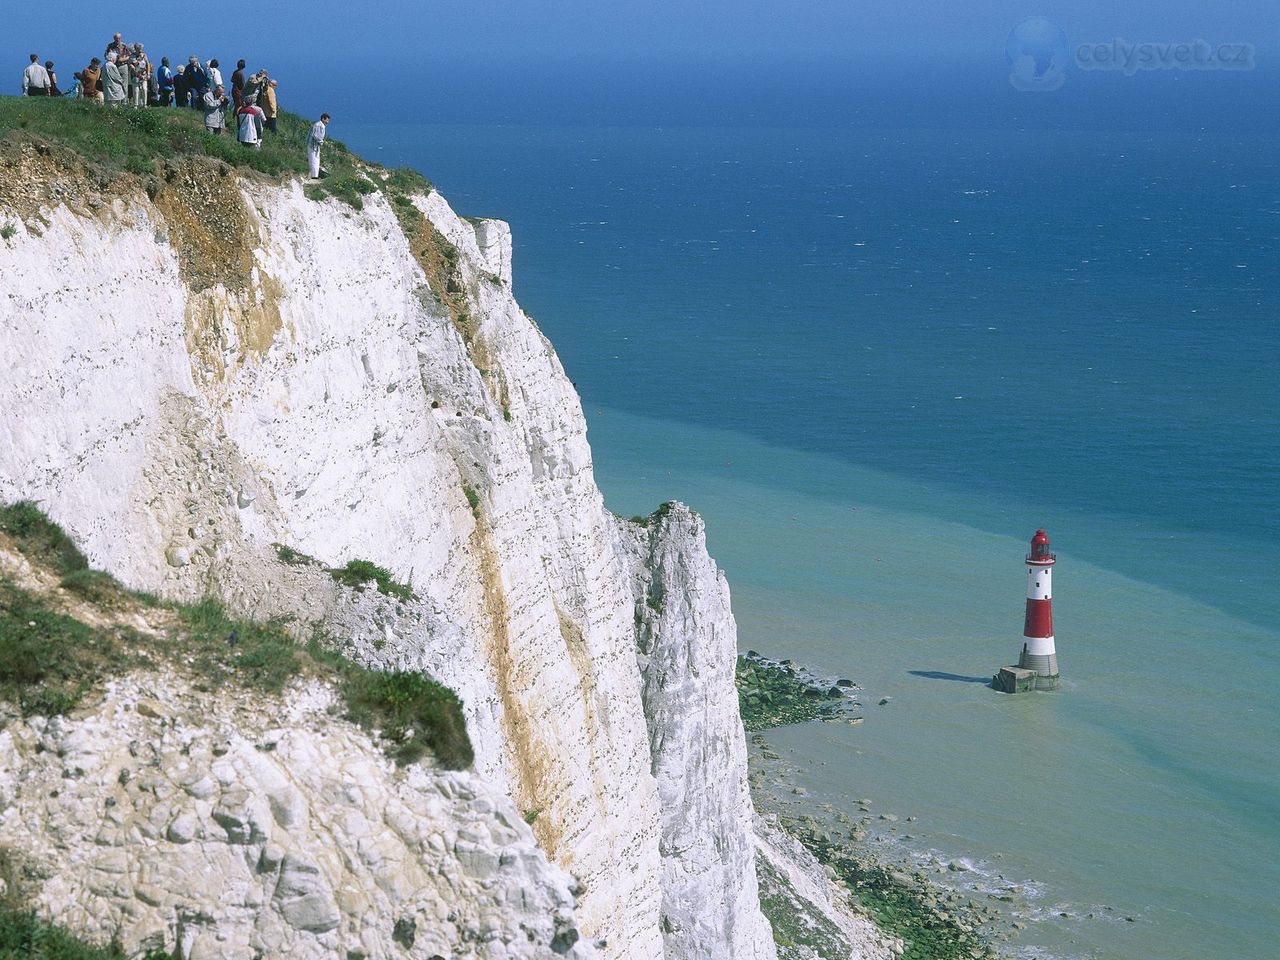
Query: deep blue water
(876, 352)
(1080, 323)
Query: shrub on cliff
(359, 572)
(413, 712)
(25, 936)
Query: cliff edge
(202, 364)
(223, 383)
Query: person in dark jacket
(237, 85)
(165, 82)
(54, 90)
(197, 82)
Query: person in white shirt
(215, 75)
(35, 79)
(315, 139)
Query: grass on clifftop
(50, 658)
(138, 141)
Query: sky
(409, 30)
(506, 60)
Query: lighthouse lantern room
(1037, 667)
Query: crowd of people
(126, 76)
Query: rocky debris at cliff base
(932, 922)
(798, 931)
(774, 693)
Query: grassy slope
(50, 659)
(132, 141)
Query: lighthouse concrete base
(1022, 680)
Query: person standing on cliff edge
(91, 81)
(269, 105)
(237, 86)
(314, 141)
(114, 86)
(166, 82)
(214, 103)
(35, 79)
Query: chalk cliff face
(164, 816)
(182, 406)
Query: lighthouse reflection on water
(1037, 667)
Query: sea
(877, 329)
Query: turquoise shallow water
(876, 361)
(1149, 784)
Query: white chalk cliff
(181, 419)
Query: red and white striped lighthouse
(1038, 652)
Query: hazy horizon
(747, 62)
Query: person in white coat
(115, 88)
(214, 104)
(315, 139)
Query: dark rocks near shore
(774, 693)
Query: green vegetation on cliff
(800, 930)
(359, 572)
(139, 142)
(356, 574)
(40, 539)
(57, 644)
(24, 936)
